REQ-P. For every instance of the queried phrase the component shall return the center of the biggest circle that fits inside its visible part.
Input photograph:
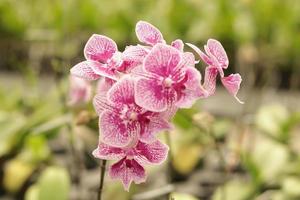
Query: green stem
(170, 157)
(102, 175)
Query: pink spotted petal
(99, 48)
(128, 171)
(162, 60)
(115, 131)
(156, 125)
(210, 79)
(169, 113)
(85, 70)
(202, 55)
(215, 49)
(133, 57)
(153, 153)
(151, 95)
(80, 91)
(148, 34)
(101, 103)
(189, 59)
(178, 44)
(193, 89)
(107, 152)
(135, 54)
(104, 84)
(104, 70)
(232, 84)
(122, 92)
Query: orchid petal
(134, 54)
(178, 44)
(210, 78)
(85, 70)
(193, 89)
(104, 84)
(116, 131)
(202, 55)
(169, 113)
(128, 171)
(103, 70)
(80, 90)
(153, 153)
(162, 59)
(150, 129)
(101, 104)
(188, 59)
(215, 49)
(232, 84)
(152, 96)
(122, 92)
(99, 48)
(148, 34)
(107, 152)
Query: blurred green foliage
(270, 27)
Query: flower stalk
(102, 176)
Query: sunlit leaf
(270, 118)
(16, 172)
(54, 183)
(291, 185)
(233, 190)
(186, 158)
(182, 196)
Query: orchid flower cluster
(140, 90)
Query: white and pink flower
(131, 161)
(216, 58)
(139, 91)
(80, 91)
(122, 121)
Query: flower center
(133, 116)
(128, 163)
(168, 82)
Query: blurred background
(221, 150)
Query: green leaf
(54, 183)
(270, 118)
(35, 149)
(234, 190)
(53, 124)
(16, 172)
(291, 185)
(182, 196)
(269, 157)
(32, 193)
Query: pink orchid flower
(102, 59)
(80, 91)
(170, 79)
(150, 35)
(130, 165)
(216, 58)
(122, 121)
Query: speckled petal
(85, 70)
(99, 48)
(115, 131)
(128, 171)
(148, 34)
(232, 84)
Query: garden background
(220, 149)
